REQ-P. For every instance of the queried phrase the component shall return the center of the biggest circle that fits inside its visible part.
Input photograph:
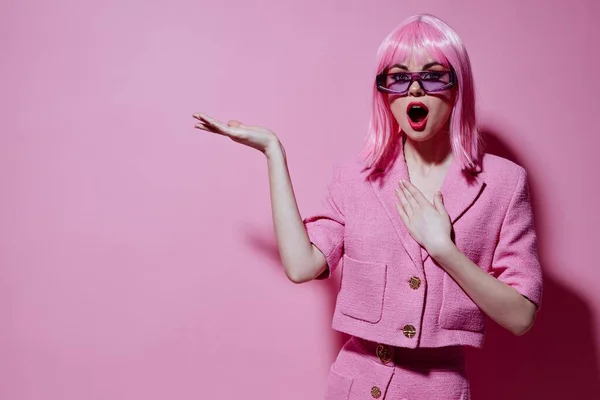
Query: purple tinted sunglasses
(430, 81)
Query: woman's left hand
(429, 224)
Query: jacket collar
(460, 189)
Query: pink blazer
(391, 291)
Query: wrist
(274, 149)
(443, 250)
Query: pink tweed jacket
(391, 291)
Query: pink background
(137, 256)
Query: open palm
(254, 136)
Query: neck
(430, 153)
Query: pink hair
(421, 36)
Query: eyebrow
(426, 66)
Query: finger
(438, 201)
(416, 193)
(202, 124)
(208, 120)
(207, 128)
(233, 129)
(220, 126)
(409, 196)
(199, 116)
(408, 210)
(403, 215)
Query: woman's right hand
(301, 260)
(258, 137)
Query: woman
(432, 233)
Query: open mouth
(417, 112)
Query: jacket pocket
(338, 386)
(458, 311)
(362, 289)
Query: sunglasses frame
(414, 76)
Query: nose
(415, 89)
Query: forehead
(415, 57)
(414, 66)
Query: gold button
(375, 392)
(384, 353)
(414, 282)
(409, 331)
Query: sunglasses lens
(433, 86)
(399, 87)
(435, 81)
(400, 82)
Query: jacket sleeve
(516, 261)
(325, 228)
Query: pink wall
(137, 259)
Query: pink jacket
(391, 291)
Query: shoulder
(501, 172)
(351, 169)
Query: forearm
(499, 301)
(298, 256)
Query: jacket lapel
(384, 185)
(459, 190)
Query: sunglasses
(430, 81)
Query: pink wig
(423, 36)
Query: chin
(419, 136)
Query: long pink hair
(421, 36)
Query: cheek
(443, 109)
(398, 108)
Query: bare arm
(501, 302)
(301, 260)
(429, 224)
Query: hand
(428, 224)
(256, 137)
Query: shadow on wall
(266, 245)
(558, 358)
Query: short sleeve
(516, 261)
(325, 228)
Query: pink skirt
(368, 370)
